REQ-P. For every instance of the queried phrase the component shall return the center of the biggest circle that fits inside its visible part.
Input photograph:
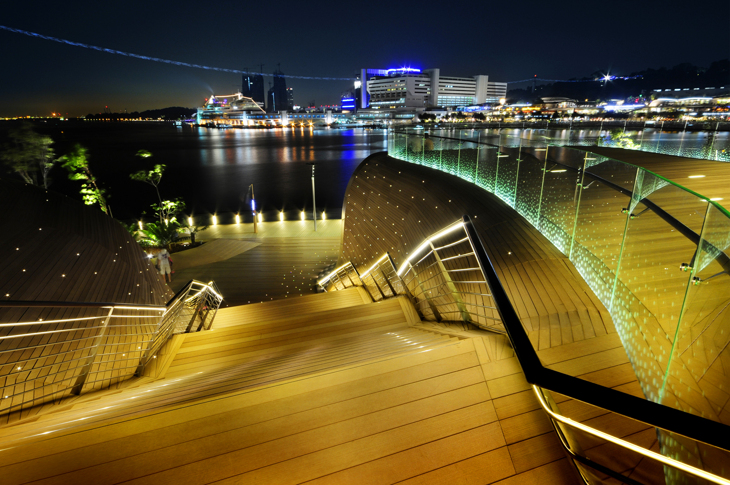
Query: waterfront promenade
(281, 261)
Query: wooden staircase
(324, 388)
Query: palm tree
(161, 234)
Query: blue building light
(403, 69)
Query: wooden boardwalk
(358, 393)
(277, 268)
(380, 403)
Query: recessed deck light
(696, 176)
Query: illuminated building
(412, 88)
(290, 97)
(228, 109)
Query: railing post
(476, 165)
(435, 312)
(382, 295)
(441, 156)
(458, 158)
(637, 187)
(198, 307)
(385, 278)
(86, 366)
(576, 198)
(542, 187)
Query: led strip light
(625, 444)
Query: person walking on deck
(163, 264)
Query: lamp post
(314, 201)
(253, 210)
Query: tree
(152, 177)
(28, 153)
(77, 165)
(167, 210)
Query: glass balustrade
(655, 253)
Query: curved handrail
(654, 414)
(651, 413)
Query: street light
(314, 202)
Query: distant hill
(683, 75)
(173, 113)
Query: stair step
(254, 312)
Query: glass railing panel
(431, 155)
(416, 148)
(487, 169)
(557, 206)
(698, 375)
(529, 185)
(467, 162)
(650, 288)
(506, 175)
(600, 226)
(686, 207)
(449, 162)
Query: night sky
(508, 41)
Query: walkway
(282, 260)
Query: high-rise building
(290, 97)
(278, 98)
(253, 87)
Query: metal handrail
(140, 344)
(651, 413)
(656, 415)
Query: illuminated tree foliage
(161, 234)
(165, 209)
(29, 154)
(77, 165)
(152, 177)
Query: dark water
(211, 169)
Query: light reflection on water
(211, 169)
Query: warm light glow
(281, 216)
(215, 220)
(238, 219)
(374, 265)
(324, 216)
(427, 242)
(261, 217)
(320, 282)
(140, 225)
(190, 221)
(696, 176)
(625, 444)
(302, 215)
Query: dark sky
(507, 40)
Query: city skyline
(501, 41)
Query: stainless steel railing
(51, 350)
(442, 277)
(450, 277)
